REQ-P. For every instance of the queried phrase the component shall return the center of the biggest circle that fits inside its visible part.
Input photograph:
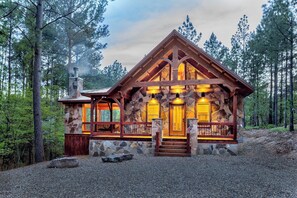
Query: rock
(64, 162)
(123, 144)
(96, 154)
(117, 158)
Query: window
(180, 76)
(86, 117)
(153, 109)
(203, 110)
(103, 114)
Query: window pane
(104, 115)
(116, 115)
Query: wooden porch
(207, 131)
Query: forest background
(41, 41)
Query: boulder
(64, 162)
(117, 157)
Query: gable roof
(245, 88)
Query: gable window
(180, 76)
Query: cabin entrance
(177, 120)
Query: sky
(137, 26)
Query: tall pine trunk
(270, 97)
(9, 56)
(286, 91)
(39, 150)
(281, 96)
(275, 96)
(291, 128)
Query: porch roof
(80, 99)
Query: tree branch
(58, 18)
(6, 15)
(32, 3)
(23, 33)
(278, 28)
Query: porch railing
(137, 128)
(207, 129)
(215, 129)
(114, 128)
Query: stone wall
(221, 105)
(108, 147)
(73, 118)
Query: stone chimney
(75, 84)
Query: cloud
(133, 38)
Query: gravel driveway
(200, 176)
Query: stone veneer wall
(221, 106)
(73, 118)
(108, 147)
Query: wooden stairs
(173, 148)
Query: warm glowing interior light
(153, 109)
(151, 90)
(177, 90)
(178, 101)
(180, 76)
(203, 110)
(177, 115)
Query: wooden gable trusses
(173, 50)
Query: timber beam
(179, 82)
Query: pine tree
(215, 48)
(188, 30)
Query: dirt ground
(262, 142)
(265, 167)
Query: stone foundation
(217, 149)
(108, 147)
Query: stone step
(173, 146)
(173, 143)
(172, 150)
(161, 154)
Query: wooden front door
(177, 120)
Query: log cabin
(177, 101)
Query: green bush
(279, 129)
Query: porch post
(157, 126)
(192, 129)
(92, 116)
(122, 117)
(235, 115)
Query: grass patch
(252, 127)
(279, 129)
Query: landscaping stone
(65, 162)
(117, 157)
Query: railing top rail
(215, 123)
